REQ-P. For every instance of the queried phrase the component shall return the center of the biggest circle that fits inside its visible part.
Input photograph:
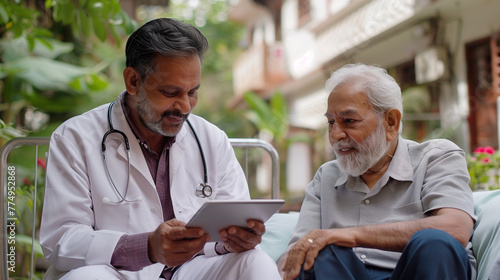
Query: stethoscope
(203, 190)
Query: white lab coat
(78, 228)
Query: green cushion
(278, 232)
(486, 238)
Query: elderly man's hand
(305, 251)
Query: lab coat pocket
(114, 215)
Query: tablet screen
(216, 215)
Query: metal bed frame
(240, 143)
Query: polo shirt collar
(400, 167)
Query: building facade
(445, 54)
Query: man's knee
(432, 237)
(433, 243)
(256, 258)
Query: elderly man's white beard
(369, 152)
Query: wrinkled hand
(173, 244)
(237, 239)
(303, 252)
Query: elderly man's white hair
(382, 90)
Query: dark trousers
(430, 254)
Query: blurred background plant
(484, 168)
(58, 59)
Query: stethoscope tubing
(203, 190)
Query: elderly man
(387, 207)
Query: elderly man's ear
(392, 121)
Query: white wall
(298, 168)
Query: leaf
(49, 4)
(96, 8)
(45, 43)
(99, 29)
(4, 15)
(31, 42)
(8, 132)
(115, 35)
(30, 244)
(261, 108)
(67, 13)
(56, 12)
(17, 29)
(84, 23)
(46, 74)
(60, 101)
(96, 82)
(279, 105)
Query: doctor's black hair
(163, 37)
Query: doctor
(124, 178)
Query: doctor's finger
(187, 245)
(242, 240)
(178, 233)
(257, 227)
(175, 223)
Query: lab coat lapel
(137, 159)
(177, 153)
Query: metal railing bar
(246, 142)
(9, 146)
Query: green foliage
(416, 99)
(271, 117)
(50, 55)
(92, 17)
(8, 132)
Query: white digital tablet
(216, 215)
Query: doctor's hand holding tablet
(238, 224)
(173, 244)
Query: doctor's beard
(369, 152)
(151, 120)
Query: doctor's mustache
(175, 113)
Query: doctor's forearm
(131, 252)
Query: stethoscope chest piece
(203, 190)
